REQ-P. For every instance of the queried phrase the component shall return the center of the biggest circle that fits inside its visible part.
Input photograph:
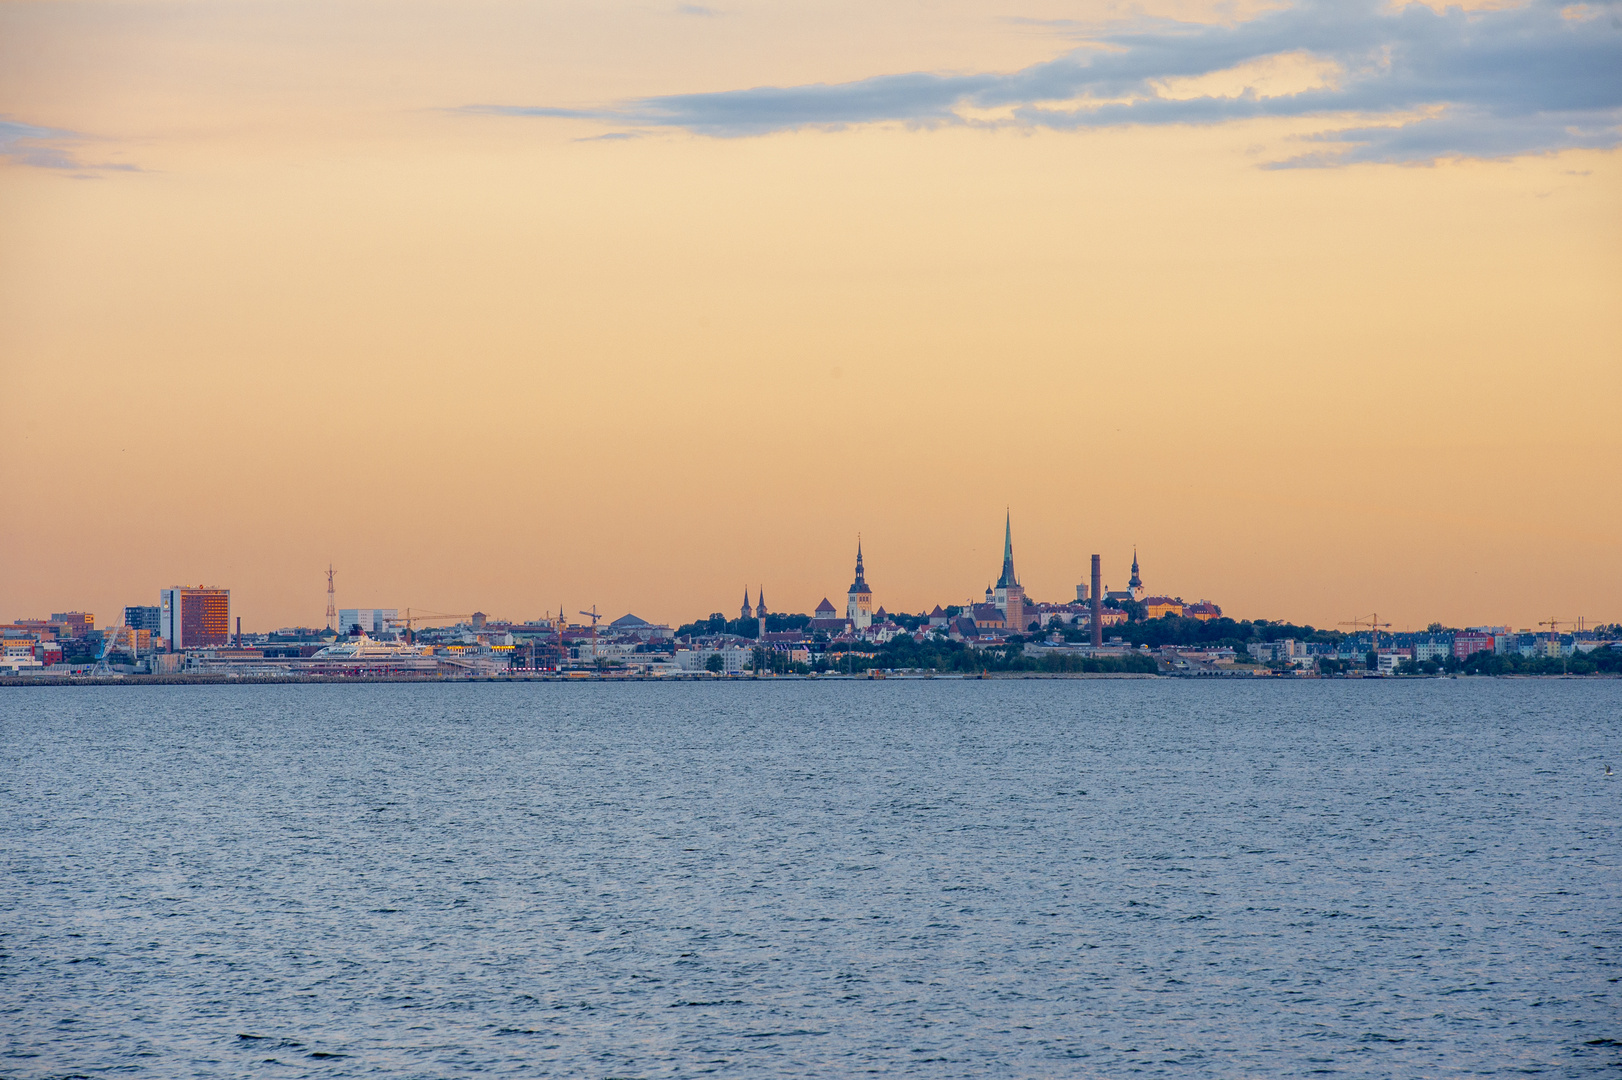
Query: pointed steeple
(860, 584)
(1008, 577)
(1136, 582)
(760, 608)
(859, 597)
(748, 612)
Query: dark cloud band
(1544, 76)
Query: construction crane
(593, 616)
(1554, 626)
(1372, 622)
(411, 620)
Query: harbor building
(73, 624)
(192, 618)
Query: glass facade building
(143, 618)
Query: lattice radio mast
(332, 605)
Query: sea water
(783, 879)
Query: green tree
(715, 664)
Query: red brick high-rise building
(193, 618)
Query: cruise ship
(371, 655)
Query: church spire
(859, 598)
(760, 608)
(1008, 577)
(747, 612)
(1136, 582)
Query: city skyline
(1127, 580)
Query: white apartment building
(734, 658)
(371, 620)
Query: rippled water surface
(1022, 879)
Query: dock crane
(108, 643)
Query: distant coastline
(187, 638)
(606, 677)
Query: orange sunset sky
(504, 305)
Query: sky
(512, 306)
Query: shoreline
(272, 680)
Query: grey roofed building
(630, 626)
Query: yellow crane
(593, 615)
(411, 621)
(1554, 626)
(1372, 622)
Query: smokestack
(1098, 603)
(239, 631)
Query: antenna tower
(332, 605)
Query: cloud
(916, 97)
(49, 148)
(41, 147)
(697, 9)
(529, 110)
(1407, 83)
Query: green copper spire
(1008, 577)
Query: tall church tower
(1136, 584)
(747, 613)
(859, 599)
(760, 613)
(1010, 594)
